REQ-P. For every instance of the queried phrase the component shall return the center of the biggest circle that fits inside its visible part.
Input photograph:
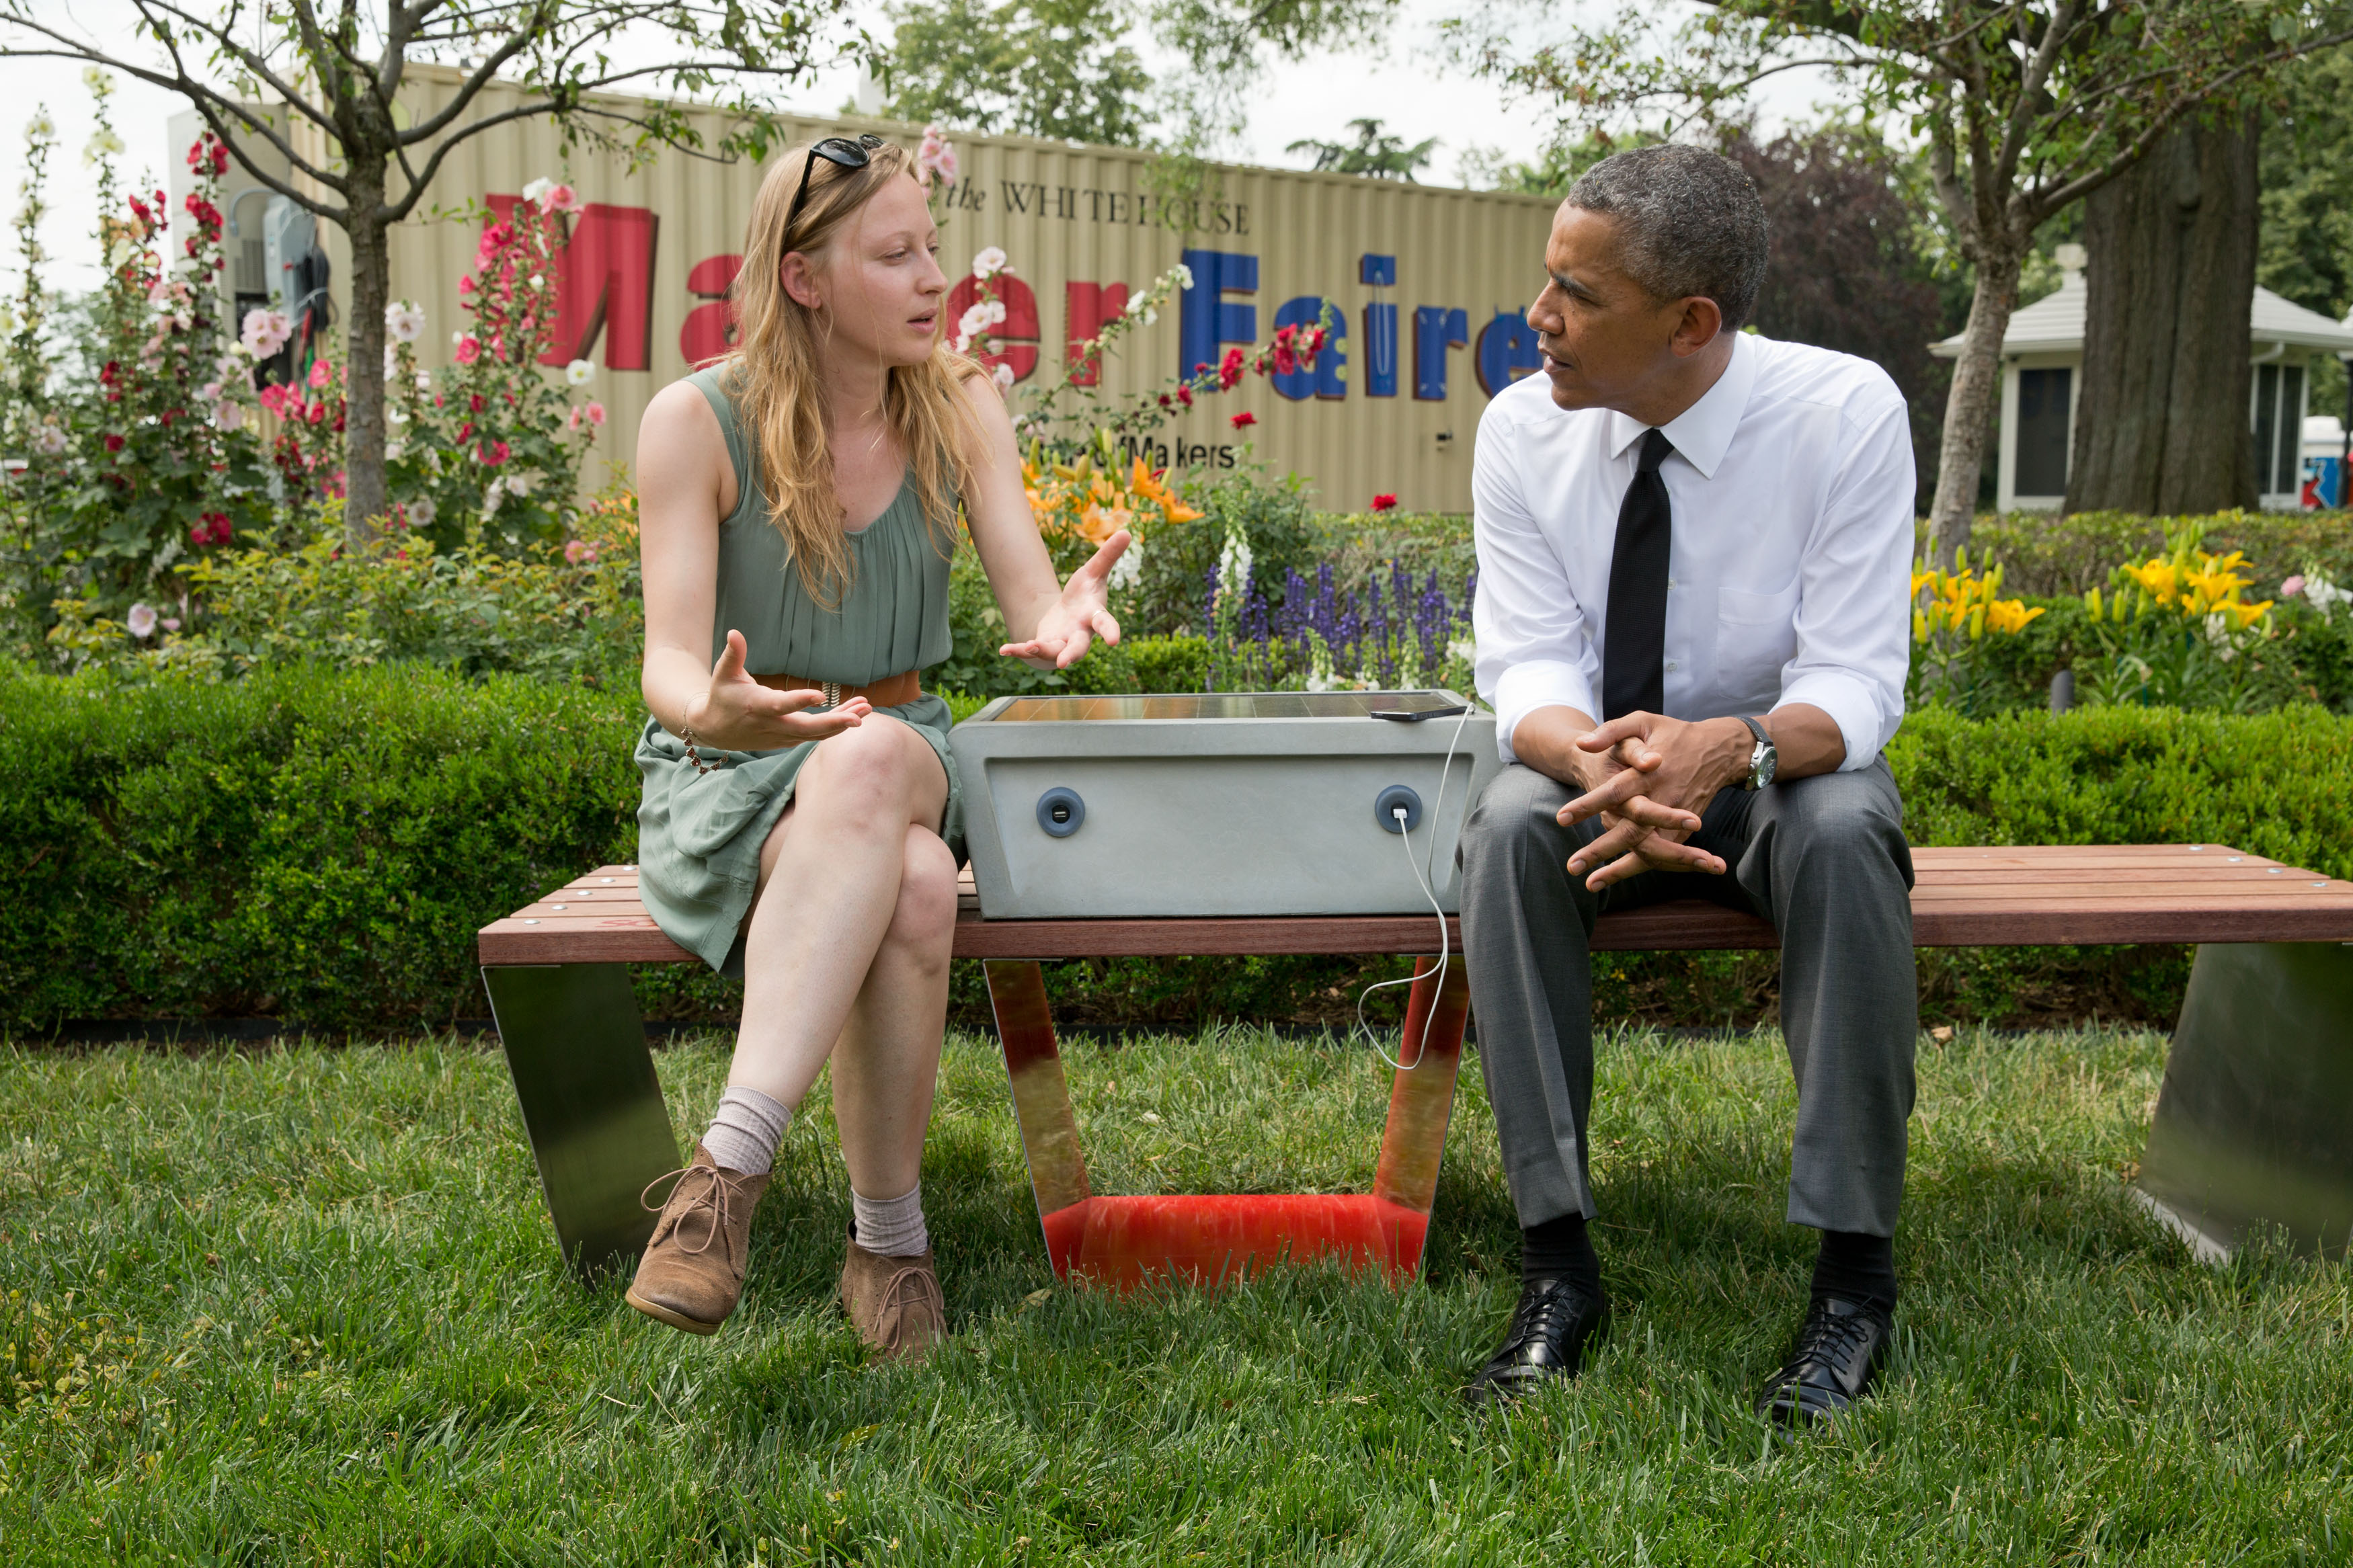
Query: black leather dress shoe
(1839, 1348)
(1554, 1325)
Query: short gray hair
(1691, 223)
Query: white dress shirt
(1789, 581)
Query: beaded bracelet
(686, 733)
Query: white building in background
(2042, 376)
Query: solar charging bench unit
(1263, 823)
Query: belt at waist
(891, 691)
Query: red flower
(465, 432)
(106, 373)
(1229, 372)
(1184, 396)
(1244, 420)
(494, 453)
(211, 529)
(114, 443)
(1384, 502)
(474, 404)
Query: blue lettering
(1206, 323)
(1436, 328)
(1506, 352)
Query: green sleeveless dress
(699, 835)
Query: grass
(303, 1306)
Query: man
(1694, 547)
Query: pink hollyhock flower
(319, 375)
(495, 452)
(559, 199)
(1244, 420)
(1384, 502)
(170, 623)
(469, 349)
(2292, 586)
(318, 413)
(140, 621)
(576, 550)
(597, 413)
(936, 156)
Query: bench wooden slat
(2027, 895)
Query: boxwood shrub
(320, 846)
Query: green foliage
(137, 449)
(322, 846)
(1273, 516)
(1373, 154)
(1026, 68)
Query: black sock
(1559, 1249)
(1854, 1267)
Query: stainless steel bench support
(2254, 1128)
(591, 1103)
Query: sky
(1408, 79)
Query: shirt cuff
(1523, 689)
(1851, 705)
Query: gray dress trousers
(1824, 858)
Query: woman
(801, 824)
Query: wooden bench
(2254, 1125)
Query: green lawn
(304, 1306)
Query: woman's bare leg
(839, 857)
(888, 1061)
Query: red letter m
(604, 284)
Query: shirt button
(1671, 665)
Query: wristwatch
(1763, 760)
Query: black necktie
(1634, 643)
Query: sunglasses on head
(841, 149)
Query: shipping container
(1428, 284)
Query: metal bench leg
(1041, 1105)
(1421, 1102)
(2254, 1127)
(591, 1103)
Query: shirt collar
(1703, 433)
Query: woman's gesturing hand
(739, 714)
(1072, 622)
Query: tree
(2306, 155)
(2162, 427)
(255, 67)
(1032, 68)
(1847, 272)
(2025, 107)
(1372, 153)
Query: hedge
(320, 846)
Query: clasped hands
(1648, 777)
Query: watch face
(1768, 759)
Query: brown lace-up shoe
(693, 1273)
(894, 1302)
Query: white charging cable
(1427, 885)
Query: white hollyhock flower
(579, 372)
(1182, 274)
(974, 320)
(404, 320)
(141, 621)
(228, 416)
(421, 511)
(997, 312)
(51, 440)
(989, 262)
(1128, 570)
(537, 189)
(1003, 376)
(1142, 310)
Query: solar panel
(1220, 705)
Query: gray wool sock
(745, 1130)
(892, 1228)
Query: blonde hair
(774, 374)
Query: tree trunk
(364, 500)
(2161, 426)
(1968, 406)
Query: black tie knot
(1655, 447)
